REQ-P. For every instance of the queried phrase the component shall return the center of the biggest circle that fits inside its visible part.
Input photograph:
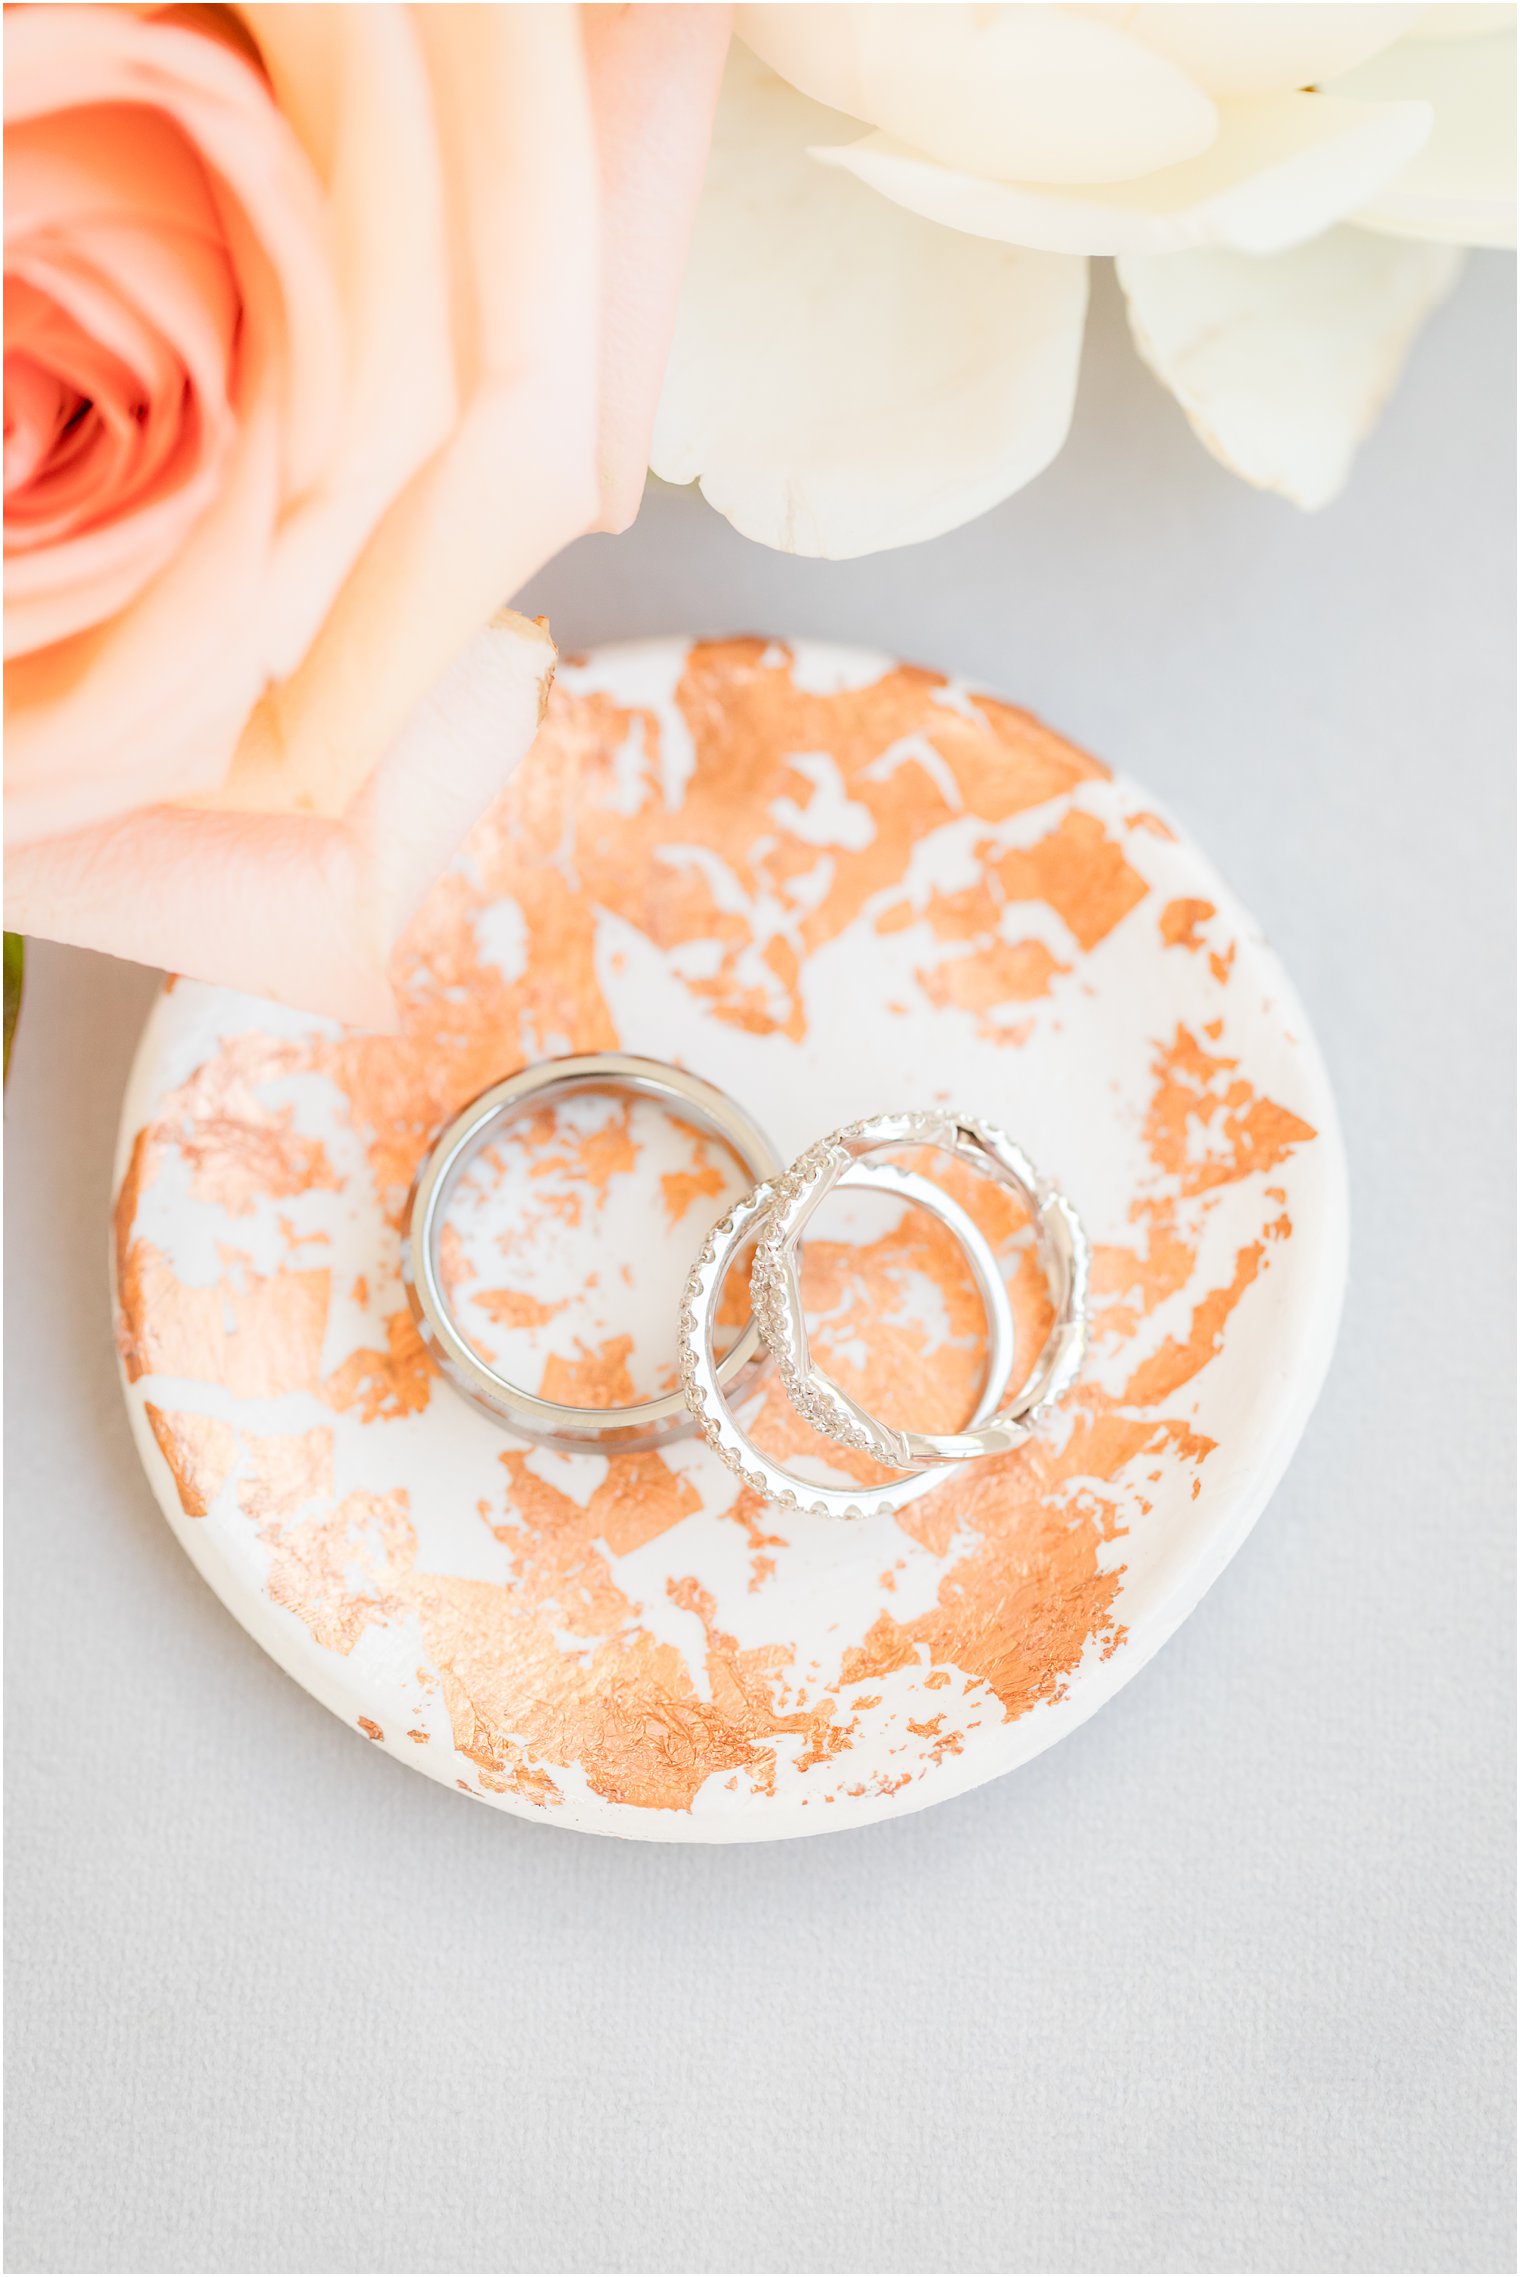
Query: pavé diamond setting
(709, 1400)
(1061, 1245)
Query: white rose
(882, 317)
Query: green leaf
(15, 962)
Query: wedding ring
(708, 1397)
(553, 1423)
(1060, 1243)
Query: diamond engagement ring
(708, 1397)
(1061, 1246)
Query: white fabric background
(1223, 1982)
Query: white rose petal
(1283, 364)
(1256, 50)
(1282, 170)
(845, 376)
(1461, 188)
(1457, 20)
(1025, 93)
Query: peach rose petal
(107, 455)
(268, 903)
(300, 908)
(1282, 169)
(138, 462)
(117, 285)
(1461, 188)
(450, 762)
(517, 478)
(92, 531)
(1025, 93)
(38, 404)
(1282, 364)
(654, 74)
(146, 703)
(845, 376)
(260, 183)
(135, 362)
(354, 85)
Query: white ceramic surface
(833, 886)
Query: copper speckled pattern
(833, 885)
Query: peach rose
(324, 328)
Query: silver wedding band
(549, 1422)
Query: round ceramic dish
(834, 886)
